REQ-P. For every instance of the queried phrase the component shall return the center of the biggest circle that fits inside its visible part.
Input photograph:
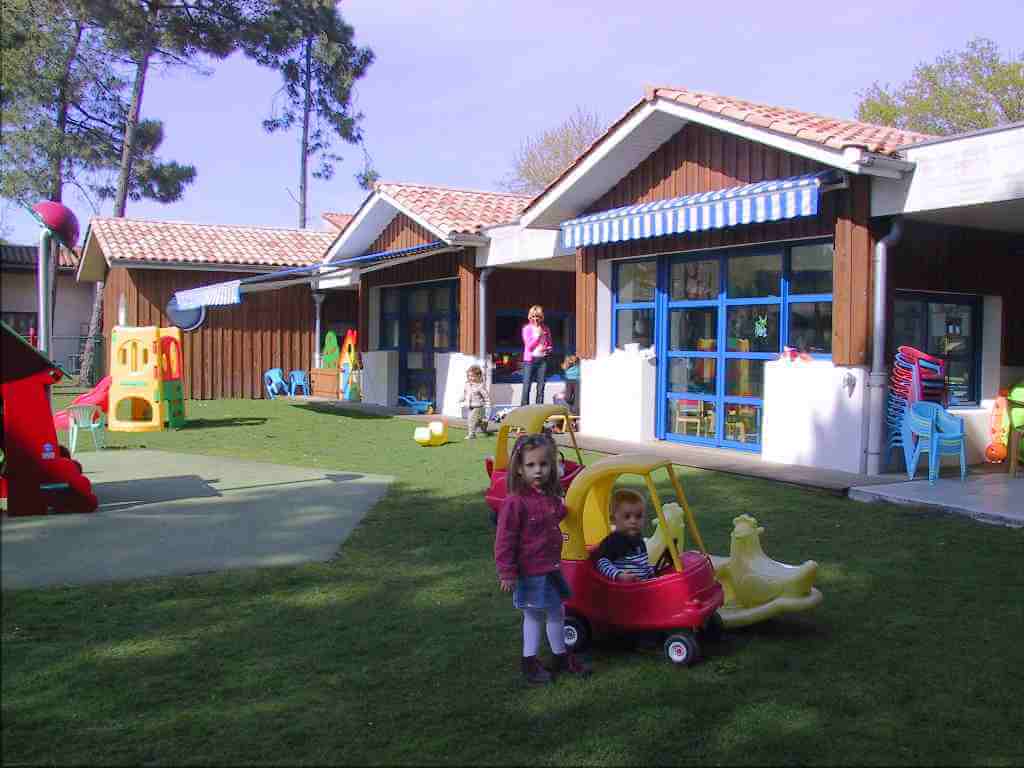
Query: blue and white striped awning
(217, 295)
(761, 201)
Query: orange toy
(999, 430)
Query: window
(413, 315)
(22, 322)
(508, 344)
(947, 326)
(633, 295)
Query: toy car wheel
(577, 634)
(681, 648)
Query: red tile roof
(337, 220)
(26, 257)
(177, 242)
(455, 211)
(829, 131)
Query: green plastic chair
(87, 418)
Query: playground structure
(146, 392)
(38, 474)
(340, 373)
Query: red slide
(38, 475)
(98, 395)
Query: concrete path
(167, 514)
(990, 498)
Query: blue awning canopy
(230, 292)
(761, 201)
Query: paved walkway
(167, 514)
(990, 497)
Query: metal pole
(877, 378)
(43, 278)
(318, 300)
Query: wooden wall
(469, 304)
(700, 159)
(933, 257)
(227, 356)
(402, 232)
(586, 303)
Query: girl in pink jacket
(528, 555)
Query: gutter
(877, 377)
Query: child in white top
(477, 399)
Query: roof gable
(841, 144)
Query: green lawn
(402, 649)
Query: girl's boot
(534, 671)
(570, 664)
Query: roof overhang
(649, 125)
(373, 216)
(93, 265)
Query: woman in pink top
(536, 348)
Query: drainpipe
(482, 303)
(879, 374)
(318, 300)
(43, 282)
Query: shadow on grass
(231, 421)
(351, 411)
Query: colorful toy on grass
(679, 603)
(434, 434)
(331, 351)
(146, 393)
(528, 420)
(757, 587)
(998, 430)
(38, 473)
(418, 406)
(350, 367)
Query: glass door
(720, 320)
(427, 324)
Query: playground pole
(43, 281)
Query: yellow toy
(757, 587)
(145, 379)
(432, 435)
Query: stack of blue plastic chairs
(915, 376)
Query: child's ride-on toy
(678, 603)
(528, 420)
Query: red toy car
(679, 603)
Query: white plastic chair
(89, 418)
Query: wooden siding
(401, 232)
(227, 356)
(586, 304)
(932, 257)
(700, 159)
(469, 304)
(519, 289)
(851, 276)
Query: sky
(457, 85)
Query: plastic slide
(98, 395)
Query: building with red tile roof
(337, 221)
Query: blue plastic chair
(928, 428)
(273, 380)
(297, 379)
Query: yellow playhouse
(146, 392)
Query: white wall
(814, 415)
(991, 345)
(380, 377)
(73, 307)
(987, 168)
(511, 394)
(604, 307)
(514, 245)
(617, 394)
(451, 370)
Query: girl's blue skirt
(545, 592)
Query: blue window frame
(508, 345)
(716, 317)
(419, 320)
(947, 325)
